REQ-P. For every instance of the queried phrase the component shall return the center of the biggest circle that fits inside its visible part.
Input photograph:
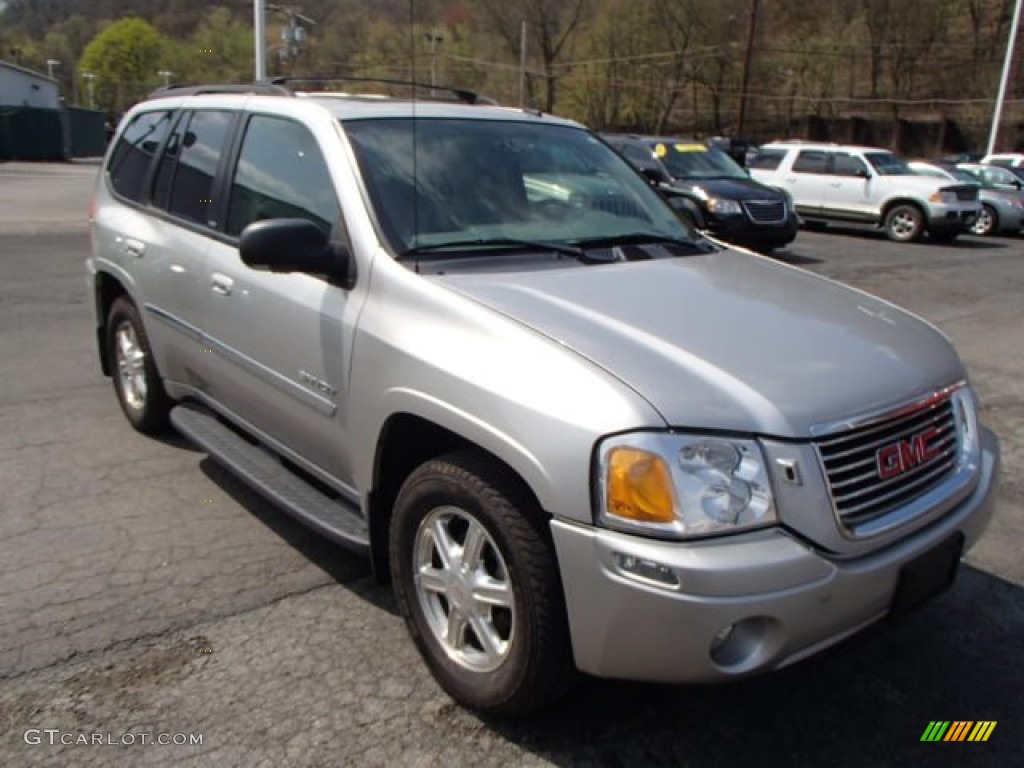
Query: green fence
(28, 133)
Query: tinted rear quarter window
(130, 160)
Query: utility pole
(522, 65)
(1004, 79)
(259, 38)
(747, 58)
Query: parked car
(1007, 159)
(473, 344)
(834, 183)
(1002, 210)
(712, 191)
(996, 176)
(959, 157)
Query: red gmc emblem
(903, 455)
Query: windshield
(888, 164)
(688, 160)
(438, 181)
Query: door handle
(221, 284)
(131, 247)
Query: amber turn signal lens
(639, 486)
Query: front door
(280, 343)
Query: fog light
(647, 570)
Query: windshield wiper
(472, 247)
(645, 238)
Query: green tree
(125, 58)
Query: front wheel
(904, 223)
(987, 222)
(476, 580)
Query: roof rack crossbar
(462, 94)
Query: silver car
(1002, 208)
(473, 344)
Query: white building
(21, 87)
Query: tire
(987, 223)
(137, 384)
(904, 223)
(507, 654)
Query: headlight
(944, 196)
(682, 485)
(965, 408)
(723, 206)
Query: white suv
(864, 185)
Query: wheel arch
(897, 201)
(407, 440)
(106, 289)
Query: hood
(729, 189)
(729, 340)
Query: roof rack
(184, 89)
(462, 94)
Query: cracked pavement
(143, 589)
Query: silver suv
(474, 344)
(866, 186)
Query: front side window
(202, 143)
(437, 181)
(847, 165)
(281, 174)
(130, 160)
(811, 161)
(888, 164)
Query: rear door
(807, 181)
(279, 342)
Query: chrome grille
(852, 464)
(765, 211)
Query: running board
(334, 518)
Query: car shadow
(867, 233)
(341, 564)
(865, 702)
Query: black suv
(707, 186)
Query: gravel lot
(143, 590)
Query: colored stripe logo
(958, 730)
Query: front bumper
(786, 600)
(741, 230)
(944, 219)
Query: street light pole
(259, 34)
(166, 75)
(91, 77)
(1003, 80)
(433, 38)
(50, 64)
(748, 57)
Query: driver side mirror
(863, 173)
(296, 245)
(654, 176)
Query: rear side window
(202, 142)
(810, 161)
(765, 159)
(281, 173)
(130, 160)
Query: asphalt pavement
(143, 590)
